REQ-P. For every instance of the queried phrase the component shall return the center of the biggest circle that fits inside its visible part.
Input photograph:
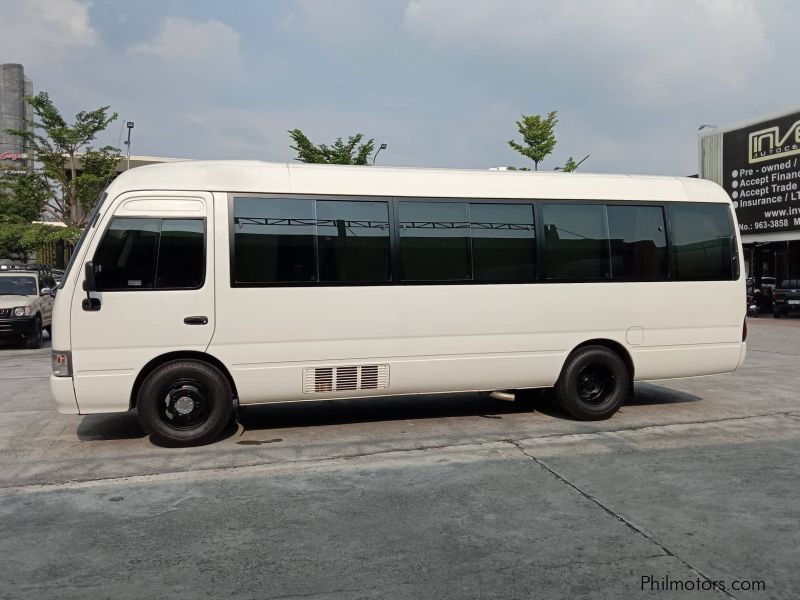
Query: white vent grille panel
(345, 378)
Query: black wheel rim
(184, 404)
(596, 383)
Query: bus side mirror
(89, 283)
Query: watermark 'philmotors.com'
(651, 583)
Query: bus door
(153, 263)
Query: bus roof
(289, 178)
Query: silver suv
(26, 304)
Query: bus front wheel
(184, 403)
(593, 383)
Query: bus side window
(126, 257)
(181, 254)
(701, 241)
(576, 242)
(149, 253)
(638, 241)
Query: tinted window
(638, 242)
(181, 254)
(274, 240)
(576, 241)
(151, 253)
(503, 242)
(46, 281)
(353, 241)
(702, 241)
(126, 258)
(434, 241)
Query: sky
(442, 82)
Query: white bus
(198, 287)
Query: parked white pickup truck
(26, 304)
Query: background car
(26, 304)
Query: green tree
(69, 173)
(570, 165)
(538, 137)
(22, 197)
(351, 152)
(18, 237)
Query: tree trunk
(59, 258)
(72, 192)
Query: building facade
(758, 163)
(15, 113)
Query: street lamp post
(382, 147)
(129, 125)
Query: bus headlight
(62, 363)
(22, 311)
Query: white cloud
(185, 41)
(38, 32)
(340, 24)
(70, 17)
(642, 48)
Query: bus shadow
(371, 410)
(430, 406)
(125, 426)
(651, 393)
(645, 394)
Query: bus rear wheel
(184, 403)
(593, 383)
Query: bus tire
(593, 383)
(184, 403)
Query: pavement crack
(666, 551)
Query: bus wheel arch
(613, 346)
(595, 380)
(181, 355)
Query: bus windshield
(90, 222)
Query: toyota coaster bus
(201, 286)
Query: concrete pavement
(452, 497)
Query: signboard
(13, 156)
(761, 172)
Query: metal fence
(54, 254)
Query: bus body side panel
(479, 337)
(697, 331)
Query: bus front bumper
(64, 395)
